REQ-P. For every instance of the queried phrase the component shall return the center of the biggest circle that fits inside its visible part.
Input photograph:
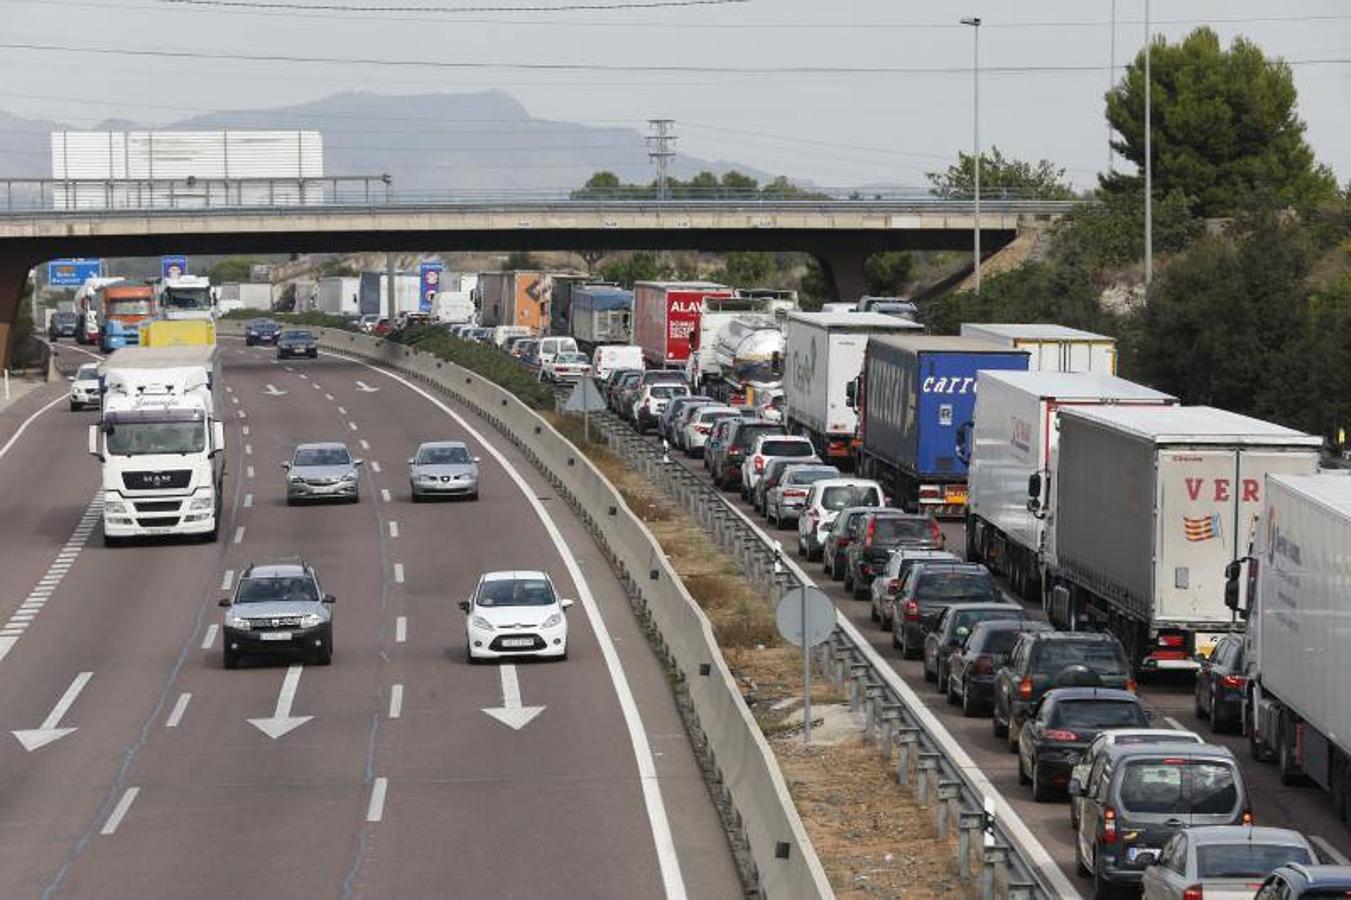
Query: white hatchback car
(824, 501)
(515, 613)
(84, 388)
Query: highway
(1169, 697)
(385, 778)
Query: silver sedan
(443, 469)
(1222, 861)
(322, 472)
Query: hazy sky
(834, 128)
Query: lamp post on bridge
(974, 22)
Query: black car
(1047, 659)
(610, 386)
(931, 588)
(63, 324)
(1221, 684)
(1294, 881)
(884, 532)
(297, 343)
(278, 607)
(727, 474)
(261, 331)
(972, 667)
(953, 628)
(1062, 725)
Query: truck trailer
(915, 399)
(666, 316)
(600, 314)
(523, 299)
(340, 295)
(1151, 504)
(823, 355)
(160, 441)
(1013, 437)
(1051, 348)
(235, 295)
(1297, 708)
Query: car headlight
(296, 479)
(350, 476)
(481, 623)
(553, 621)
(427, 477)
(204, 501)
(116, 507)
(310, 620)
(238, 623)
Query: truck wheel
(972, 552)
(1285, 757)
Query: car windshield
(296, 589)
(810, 476)
(839, 496)
(1246, 860)
(516, 592)
(147, 438)
(1000, 640)
(747, 434)
(1100, 656)
(297, 336)
(573, 358)
(444, 456)
(714, 415)
(1098, 714)
(668, 390)
(1179, 786)
(322, 456)
(950, 585)
(897, 530)
(966, 618)
(88, 372)
(787, 448)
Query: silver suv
(322, 471)
(278, 607)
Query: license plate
(518, 642)
(1133, 852)
(159, 530)
(275, 635)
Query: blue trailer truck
(916, 398)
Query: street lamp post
(974, 22)
(1149, 158)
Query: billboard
(73, 272)
(429, 284)
(173, 266)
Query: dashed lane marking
(393, 529)
(120, 811)
(398, 573)
(227, 579)
(210, 636)
(401, 630)
(384, 494)
(376, 810)
(176, 714)
(239, 535)
(396, 701)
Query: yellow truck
(178, 333)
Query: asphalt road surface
(1169, 697)
(399, 785)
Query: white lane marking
(248, 449)
(511, 713)
(210, 636)
(375, 467)
(229, 390)
(398, 573)
(328, 396)
(376, 810)
(672, 879)
(1175, 724)
(248, 500)
(342, 410)
(304, 376)
(176, 715)
(365, 445)
(50, 730)
(316, 386)
(56, 571)
(249, 471)
(393, 529)
(120, 811)
(239, 535)
(352, 425)
(243, 415)
(227, 579)
(288, 368)
(384, 494)
(18, 432)
(234, 400)
(396, 701)
(401, 629)
(281, 721)
(366, 388)
(244, 430)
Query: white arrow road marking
(48, 731)
(281, 721)
(120, 811)
(511, 713)
(366, 388)
(273, 392)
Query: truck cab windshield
(128, 307)
(187, 298)
(147, 438)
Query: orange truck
(517, 298)
(122, 307)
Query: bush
(488, 361)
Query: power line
(338, 7)
(620, 68)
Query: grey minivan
(1139, 795)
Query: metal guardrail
(1009, 860)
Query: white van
(502, 332)
(615, 356)
(550, 347)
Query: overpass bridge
(839, 231)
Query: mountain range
(483, 140)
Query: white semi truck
(1151, 504)
(185, 297)
(1013, 437)
(161, 443)
(1293, 592)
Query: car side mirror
(410, 461)
(1034, 486)
(566, 604)
(464, 605)
(223, 601)
(1076, 788)
(330, 599)
(358, 462)
(286, 465)
(217, 437)
(477, 460)
(94, 442)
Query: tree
(1110, 233)
(888, 274)
(746, 269)
(599, 185)
(640, 266)
(1224, 126)
(232, 268)
(1033, 292)
(735, 182)
(999, 176)
(520, 260)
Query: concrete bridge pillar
(843, 269)
(13, 275)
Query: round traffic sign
(805, 611)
